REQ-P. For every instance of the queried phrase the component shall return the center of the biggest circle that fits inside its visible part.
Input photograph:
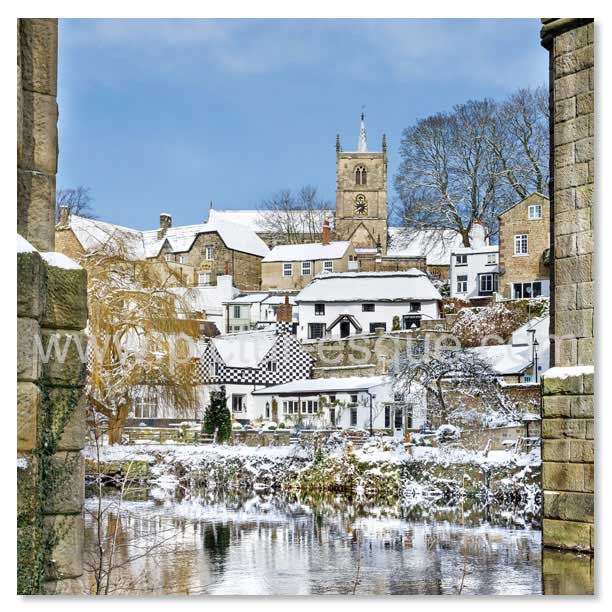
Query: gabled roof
(307, 252)
(246, 349)
(431, 244)
(263, 221)
(369, 287)
(345, 317)
(530, 196)
(325, 385)
(92, 234)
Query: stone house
(360, 402)
(474, 273)
(256, 310)
(198, 253)
(249, 361)
(293, 266)
(524, 248)
(355, 303)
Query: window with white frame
(534, 212)
(290, 407)
(287, 269)
(306, 268)
(169, 257)
(319, 309)
(328, 266)
(238, 403)
(181, 259)
(415, 306)
(209, 252)
(203, 278)
(487, 283)
(145, 407)
(526, 290)
(237, 311)
(214, 368)
(310, 407)
(461, 260)
(491, 259)
(354, 416)
(354, 399)
(521, 244)
(462, 283)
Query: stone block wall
(568, 449)
(51, 306)
(572, 82)
(568, 458)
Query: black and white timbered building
(247, 361)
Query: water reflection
(240, 543)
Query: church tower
(361, 194)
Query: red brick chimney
(326, 234)
(284, 313)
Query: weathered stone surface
(556, 406)
(563, 428)
(36, 208)
(30, 285)
(580, 451)
(67, 586)
(569, 506)
(588, 381)
(69, 479)
(578, 323)
(39, 133)
(565, 297)
(69, 403)
(566, 534)
(565, 246)
(38, 43)
(570, 86)
(582, 406)
(572, 222)
(584, 150)
(567, 477)
(556, 385)
(566, 351)
(67, 556)
(28, 405)
(567, 573)
(586, 353)
(556, 450)
(28, 357)
(584, 243)
(564, 110)
(565, 199)
(66, 303)
(65, 354)
(573, 175)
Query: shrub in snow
(217, 418)
(496, 322)
(447, 433)
(236, 425)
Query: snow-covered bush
(447, 433)
(493, 323)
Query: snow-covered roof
(475, 251)
(307, 252)
(325, 385)
(23, 246)
(430, 244)
(541, 326)
(59, 260)
(246, 349)
(249, 298)
(278, 298)
(369, 287)
(207, 299)
(505, 359)
(93, 234)
(267, 220)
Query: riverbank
(422, 479)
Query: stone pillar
(51, 307)
(567, 404)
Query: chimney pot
(64, 216)
(326, 233)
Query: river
(164, 542)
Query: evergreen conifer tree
(217, 416)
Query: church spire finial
(362, 146)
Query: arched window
(361, 176)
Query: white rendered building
(354, 303)
(474, 273)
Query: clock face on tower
(361, 205)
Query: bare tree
(450, 374)
(466, 166)
(78, 200)
(294, 218)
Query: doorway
(345, 329)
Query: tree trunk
(116, 425)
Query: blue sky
(166, 115)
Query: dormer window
(361, 176)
